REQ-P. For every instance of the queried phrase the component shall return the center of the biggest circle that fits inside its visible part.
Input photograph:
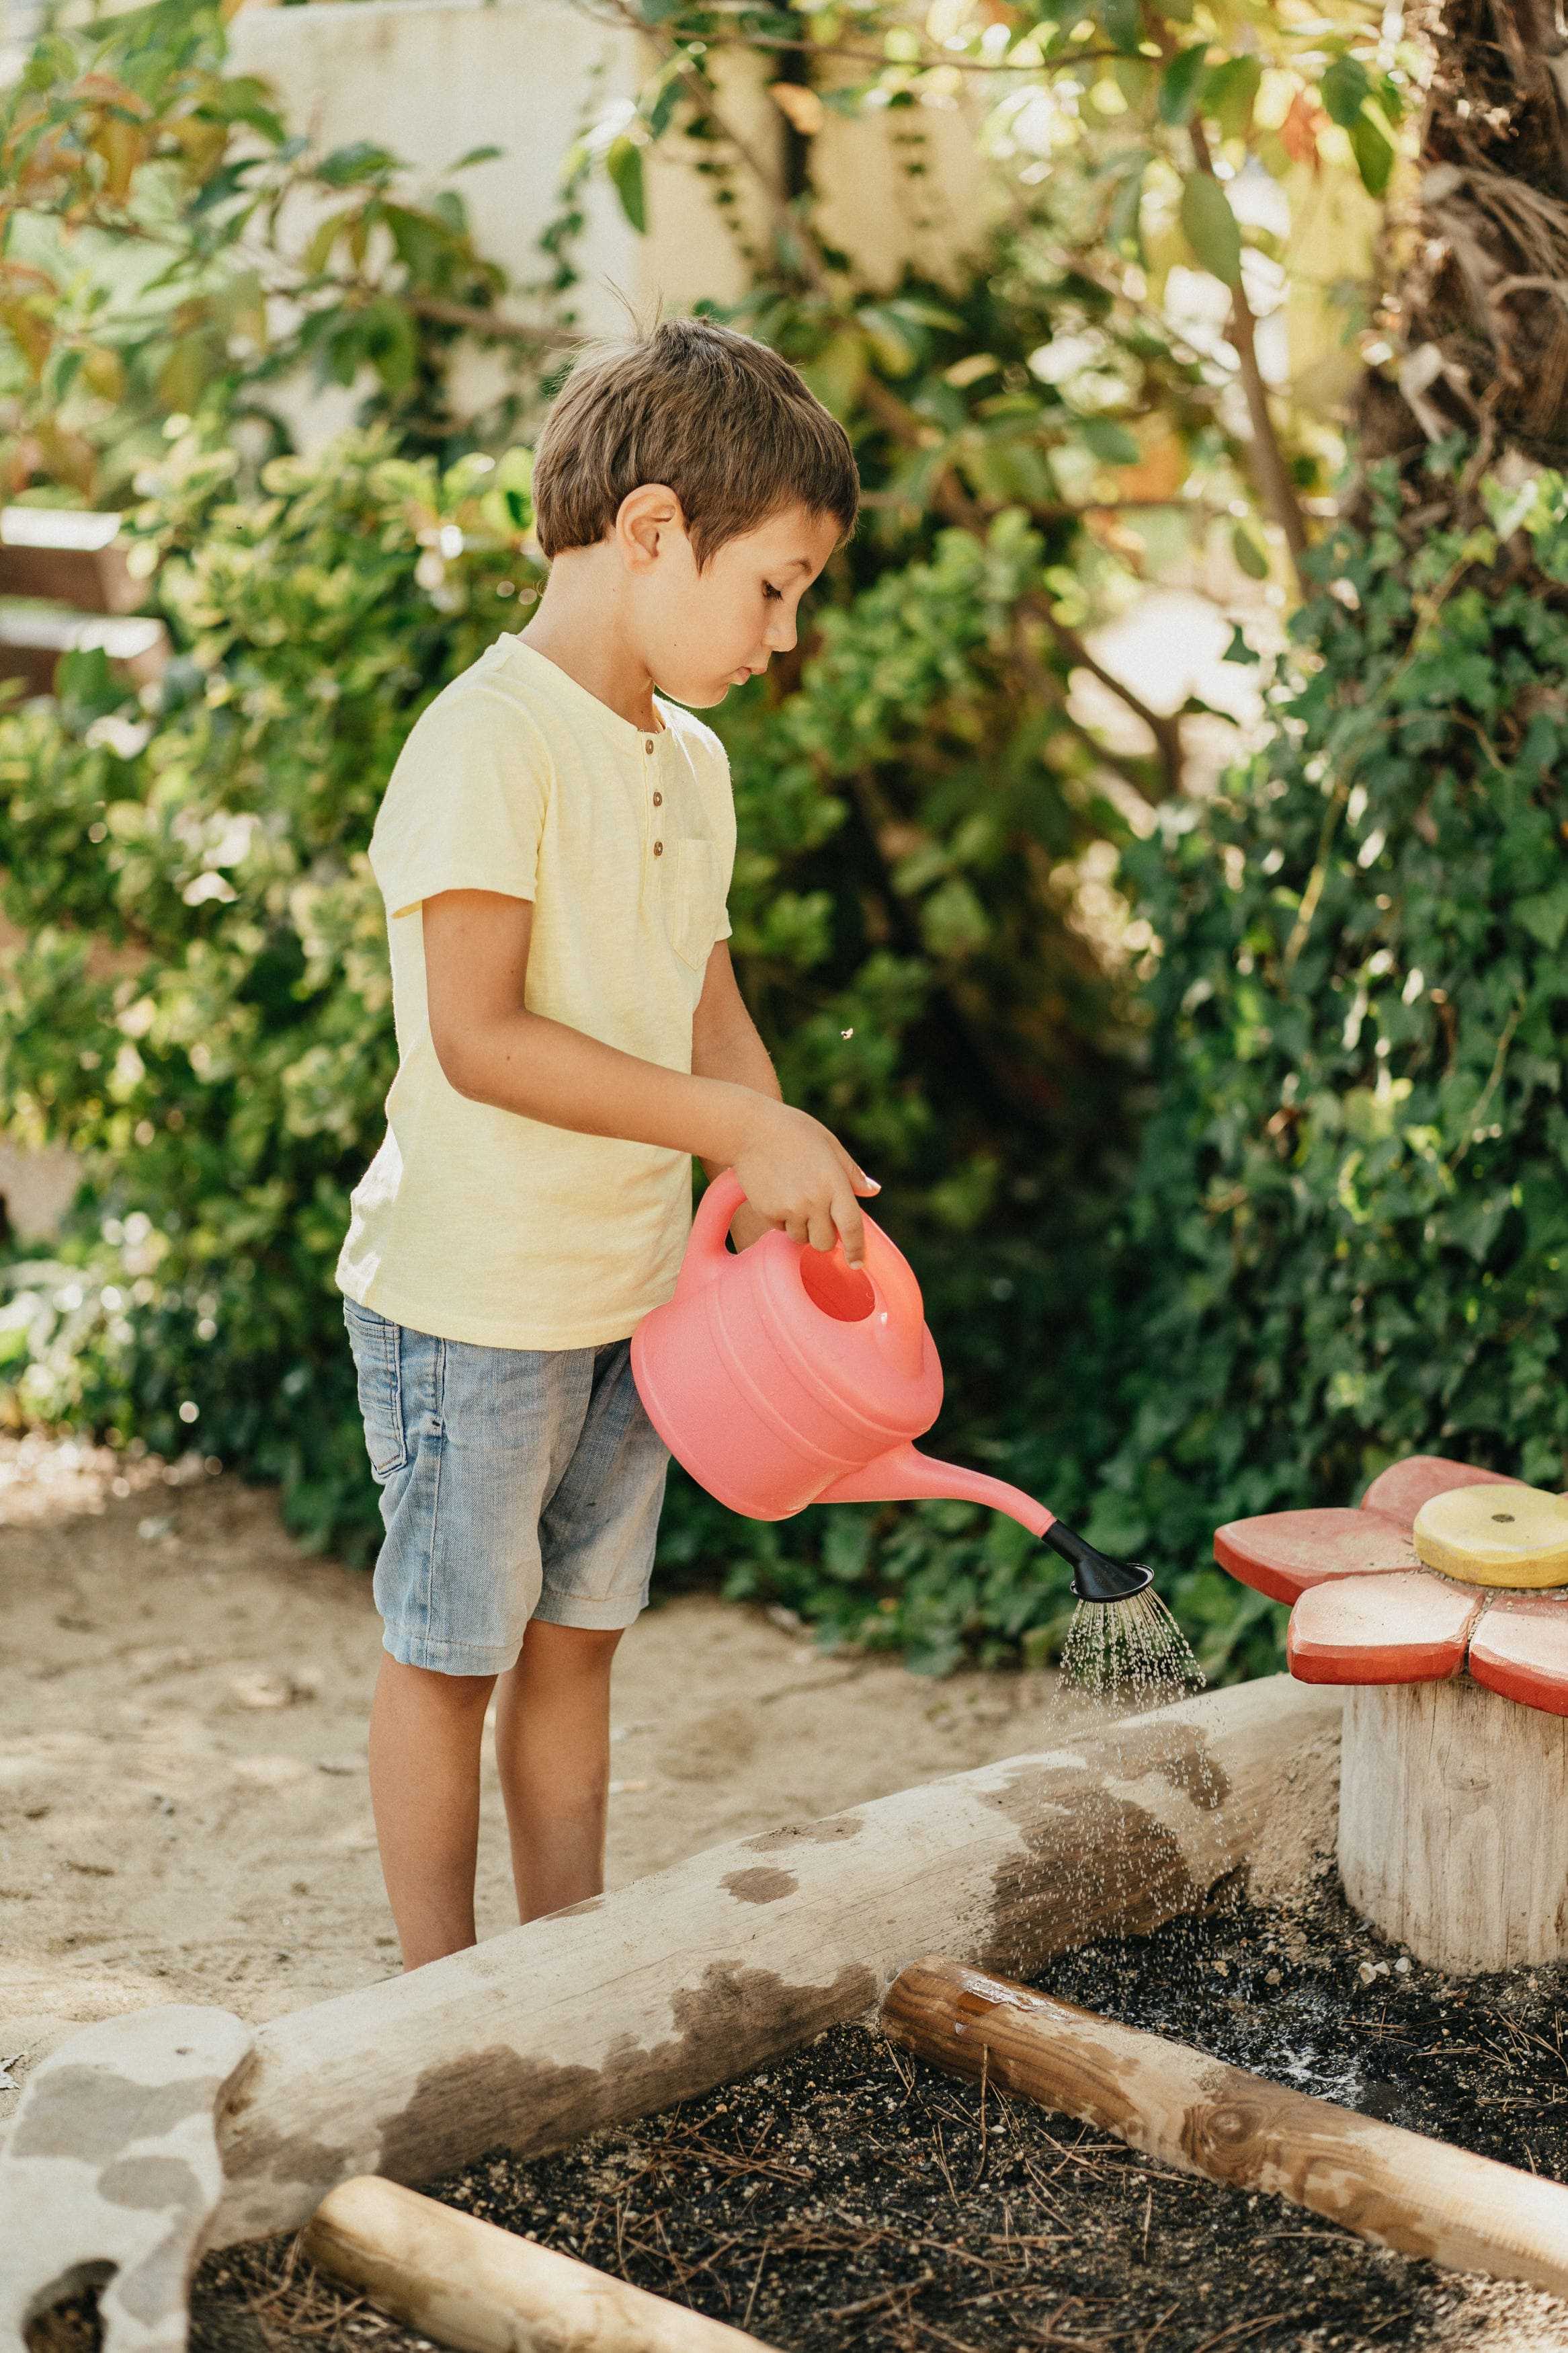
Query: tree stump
(1453, 1823)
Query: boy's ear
(646, 515)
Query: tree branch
(1275, 487)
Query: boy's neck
(578, 627)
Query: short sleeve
(464, 809)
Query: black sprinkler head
(1095, 1576)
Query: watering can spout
(904, 1474)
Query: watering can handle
(705, 1251)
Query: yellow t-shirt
(475, 1223)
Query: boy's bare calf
(553, 1724)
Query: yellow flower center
(1495, 1535)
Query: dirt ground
(185, 1810)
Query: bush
(202, 1008)
(1346, 1236)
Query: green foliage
(1347, 1235)
(202, 1006)
(149, 267)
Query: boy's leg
(426, 1734)
(597, 1531)
(552, 1751)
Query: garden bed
(849, 2195)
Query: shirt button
(659, 800)
(647, 743)
(659, 849)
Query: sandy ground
(184, 1811)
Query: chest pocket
(693, 896)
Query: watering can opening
(1095, 1576)
(840, 1290)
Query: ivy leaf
(1544, 915)
(1209, 226)
(1180, 84)
(1345, 89)
(1248, 553)
(624, 165)
(1373, 152)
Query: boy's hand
(797, 1174)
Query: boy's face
(703, 632)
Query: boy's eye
(769, 590)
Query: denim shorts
(515, 1484)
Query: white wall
(432, 79)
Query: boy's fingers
(851, 1227)
(821, 1231)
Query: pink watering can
(782, 1375)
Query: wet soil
(851, 2196)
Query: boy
(554, 849)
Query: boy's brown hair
(719, 417)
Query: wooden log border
(468, 2284)
(621, 2005)
(1396, 2188)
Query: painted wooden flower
(1442, 1568)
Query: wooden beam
(485, 2290)
(628, 2001)
(1393, 2186)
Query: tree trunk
(1483, 311)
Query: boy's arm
(493, 1050)
(725, 1045)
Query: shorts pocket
(377, 1347)
(693, 897)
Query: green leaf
(839, 371)
(1109, 442)
(1248, 553)
(1544, 915)
(1122, 21)
(1373, 151)
(1230, 93)
(1180, 84)
(1209, 226)
(1344, 90)
(361, 160)
(1124, 225)
(475, 156)
(624, 165)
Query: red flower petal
(1520, 1648)
(1405, 1629)
(1283, 1553)
(1401, 1490)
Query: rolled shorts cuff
(412, 1649)
(611, 1616)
